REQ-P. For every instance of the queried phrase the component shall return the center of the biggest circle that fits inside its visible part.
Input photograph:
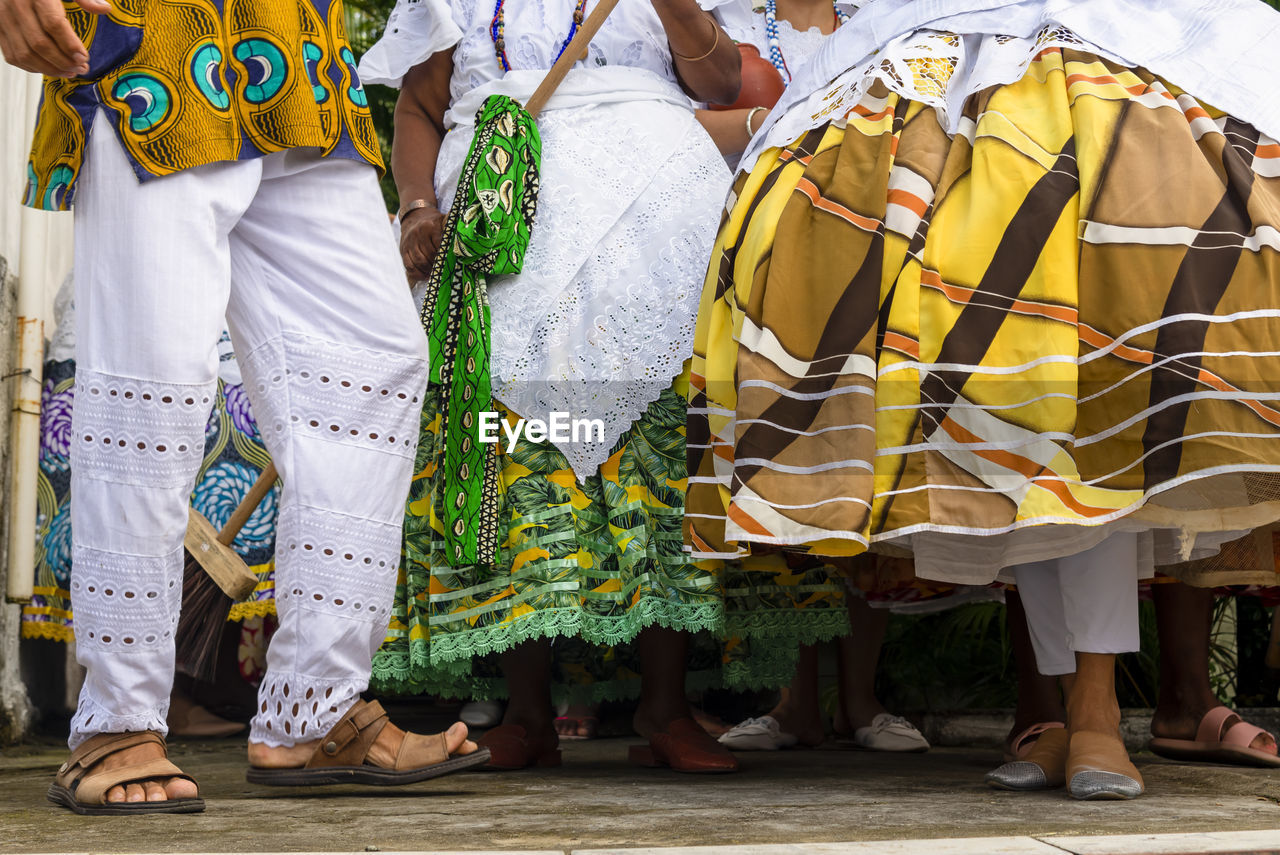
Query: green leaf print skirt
(589, 564)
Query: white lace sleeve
(415, 30)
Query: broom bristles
(200, 623)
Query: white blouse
(744, 22)
(601, 318)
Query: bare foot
(579, 721)
(1184, 723)
(381, 753)
(159, 790)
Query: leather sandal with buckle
(82, 787)
(342, 756)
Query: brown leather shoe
(1098, 767)
(1043, 767)
(685, 747)
(342, 756)
(511, 747)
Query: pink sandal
(1219, 740)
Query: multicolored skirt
(994, 347)
(589, 564)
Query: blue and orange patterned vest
(190, 82)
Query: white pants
(296, 251)
(1084, 603)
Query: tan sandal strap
(418, 750)
(103, 745)
(348, 742)
(92, 789)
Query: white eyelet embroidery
(336, 564)
(138, 432)
(336, 392)
(125, 603)
(126, 607)
(92, 718)
(597, 326)
(293, 708)
(920, 66)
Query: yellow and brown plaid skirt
(1065, 316)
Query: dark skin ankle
(1184, 621)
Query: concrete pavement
(598, 802)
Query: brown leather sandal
(78, 787)
(342, 756)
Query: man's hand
(420, 235)
(35, 35)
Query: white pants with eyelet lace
(296, 252)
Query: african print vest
(191, 82)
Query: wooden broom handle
(249, 504)
(576, 50)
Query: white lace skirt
(601, 319)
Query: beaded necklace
(771, 34)
(497, 25)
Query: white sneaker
(889, 732)
(758, 734)
(481, 713)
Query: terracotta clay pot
(761, 83)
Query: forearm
(728, 128)
(419, 129)
(706, 60)
(414, 149)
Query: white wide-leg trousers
(1084, 603)
(296, 252)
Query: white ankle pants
(1084, 603)
(296, 252)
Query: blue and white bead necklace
(497, 31)
(771, 34)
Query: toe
(456, 739)
(1264, 742)
(116, 794)
(155, 792)
(135, 793)
(181, 788)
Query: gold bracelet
(715, 44)
(751, 114)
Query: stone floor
(597, 801)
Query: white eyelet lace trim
(938, 69)
(294, 708)
(92, 718)
(138, 432)
(336, 392)
(125, 603)
(335, 564)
